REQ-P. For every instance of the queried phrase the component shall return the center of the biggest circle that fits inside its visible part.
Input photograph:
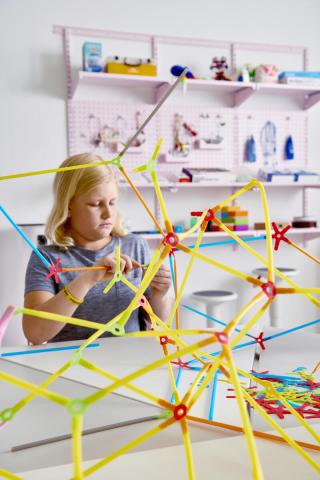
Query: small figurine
(220, 65)
(266, 73)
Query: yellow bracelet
(70, 297)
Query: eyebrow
(98, 199)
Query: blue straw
(265, 339)
(26, 239)
(228, 242)
(46, 350)
(213, 396)
(171, 268)
(213, 319)
(292, 330)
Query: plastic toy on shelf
(220, 66)
(92, 57)
(176, 71)
(131, 66)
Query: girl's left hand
(161, 282)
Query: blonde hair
(69, 184)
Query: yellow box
(122, 68)
(231, 208)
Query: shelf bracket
(242, 95)
(161, 90)
(311, 99)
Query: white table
(121, 356)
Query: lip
(105, 225)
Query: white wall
(32, 98)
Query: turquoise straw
(26, 239)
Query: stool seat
(289, 272)
(215, 296)
(212, 299)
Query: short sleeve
(35, 276)
(144, 251)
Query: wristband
(70, 297)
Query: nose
(106, 212)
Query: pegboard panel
(283, 124)
(95, 126)
(214, 125)
(228, 130)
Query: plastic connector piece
(209, 215)
(222, 338)
(269, 289)
(260, 340)
(163, 340)
(180, 411)
(54, 271)
(142, 301)
(279, 235)
(171, 239)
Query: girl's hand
(109, 262)
(161, 282)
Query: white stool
(212, 300)
(274, 307)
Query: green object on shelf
(193, 221)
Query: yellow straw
(77, 421)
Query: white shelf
(119, 80)
(306, 233)
(241, 91)
(309, 93)
(177, 185)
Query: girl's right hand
(109, 262)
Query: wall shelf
(305, 233)
(113, 79)
(309, 93)
(177, 185)
(239, 90)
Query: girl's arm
(39, 330)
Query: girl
(84, 229)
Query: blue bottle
(289, 149)
(251, 153)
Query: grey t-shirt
(97, 306)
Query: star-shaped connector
(279, 235)
(54, 271)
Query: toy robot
(220, 66)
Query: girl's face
(92, 216)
